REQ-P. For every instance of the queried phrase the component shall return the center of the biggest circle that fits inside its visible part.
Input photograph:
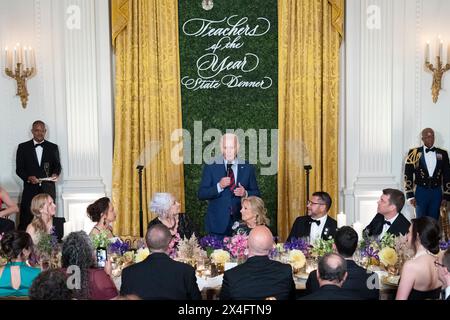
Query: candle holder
(438, 72)
(20, 65)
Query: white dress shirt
(316, 230)
(386, 226)
(447, 293)
(39, 151)
(430, 160)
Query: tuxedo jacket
(356, 283)
(330, 292)
(159, 277)
(399, 226)
(302, 228)
(27, 162)
(258, 278)
(416, 172)
(224, 206)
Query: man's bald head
(229, 145)
(332, 268)
(158, 238)
(428, 137)
(260, 241)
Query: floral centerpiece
(100, 240)
(298, 244)
(210, 243)
(444, 245)
(297, 259)
(237, 246)
(189, 251)
(47, 251)
(321, 247)
(219, 257)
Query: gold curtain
(309, 36)
(147, 106)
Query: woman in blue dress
(16, 276)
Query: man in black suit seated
(158, 276)
(259, 277)
(331, 275)
(359, 281)
(317, 224)
(443, 265)
(389, 218)
(36, 159)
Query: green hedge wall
(229, 108)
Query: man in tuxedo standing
(35, 160)
(331, 275)
(317, 224)
(159, 277)
(223, 184)
(389, 218)
(259, 277)
(443, 265)
(428, 168)
(358, 279)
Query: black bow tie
(39, 145)
(311, 221)
(387, 222)
(430, 149)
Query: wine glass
(47, 168)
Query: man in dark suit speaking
(223, 184)
(38, 165)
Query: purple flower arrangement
(119, 247)
(298, 244)
(210, 242)
(444, 245)
(370, 252)
(237, 246)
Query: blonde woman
(254, 213)
(43, 209)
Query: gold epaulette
(413, 157)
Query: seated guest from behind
(389, 219)
(331, 275)
(44, 221)
(254, 213)
(167, 209)
(16, 276)
(419, 278)
(345, 243)
(11, 208)
(443, 266)
(102, 212)
(96, 283)
(259, 277)
(159, 277)
(317, 224)
(50, 285)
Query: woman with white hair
(167, 209)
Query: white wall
(387, 98)
(71, 93)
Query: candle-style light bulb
(427, 52)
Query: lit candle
(25, 58)
(441, 44)
(19, 53)
(341, 220)
(358, 228)
(427, 52)
(6, 57)
(448, 54)
(33, 58)
(14, 62)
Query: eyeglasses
(437, 264)
(318, 203)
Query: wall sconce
(20, 65)
(439, 70)
(207, 4)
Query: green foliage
(388, 240)
(230, 108)
(100, 240)
(321, 247)
(44, 245)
